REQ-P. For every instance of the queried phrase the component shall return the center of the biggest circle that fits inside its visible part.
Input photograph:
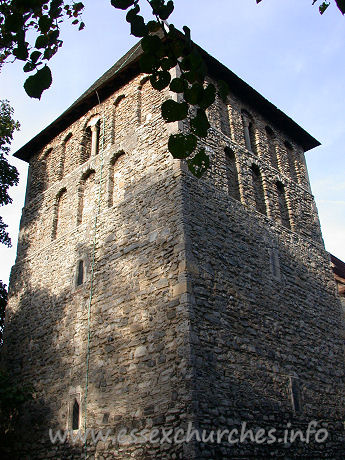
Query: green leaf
(200, 124)
(132, 13)
(153, 26)
(53, 36)
(323, 7)
(194, 94)
(178, 47)
(149, 63)
(122, 4)
(223, 90)
(192, 76)
(34, 56)
(168, 63)
(14, 22)
(138, 27)
(174, 111)
(178, 85)
(199, 164)
(151, 44)
(21, 52)
(166, 10)
(45, 23)
(36, 84)
(208, 96)
(160, 80)
(182, 145)
(41, 41)
(29, 67)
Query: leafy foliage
(8, 178)
(163, 49)
(8, 173)
(3, 303)
(323, 5)
(43, 17)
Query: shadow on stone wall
(135, 377)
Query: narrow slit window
(231, 174)
(249, 132)
(80, 274)
(295, 394)
(75, 415)
(283, 208)
(259, 193)
(272, 147)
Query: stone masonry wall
(203, 309)
(264, 314)
(139, 350)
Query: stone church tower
(145, 298)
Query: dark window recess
(259, 193)
(80, 276)
(75, 415)
(284, 212)
(231, 173)
(295, 394)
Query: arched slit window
(259, 193)
(291, 160)
(87, 196)
(231, 174)
(295, 392)
(80, 273)
(86, 145)
(65, 159)
(59, 217)
(90, 142)
(224, 118)
(249, 131)
(116, 117)
(75, 415)
(116, 184)
(271, 143)
(284, 212)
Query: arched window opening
(80, 273)
(284, 212)
(86, 145)
(224, 118)
(117, 115)
(87, 196)
(232, 174)
(271, 142)
(249, 131)
(47, 168)
(291, 160)
(116, 183)
(60, 214)
(259, 193)
(75, 415)
(66, 159)
(140, 99)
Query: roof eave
(128, 67)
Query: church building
(143, 298)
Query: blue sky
(284, 49)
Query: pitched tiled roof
(338, 267)
(127, 67)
